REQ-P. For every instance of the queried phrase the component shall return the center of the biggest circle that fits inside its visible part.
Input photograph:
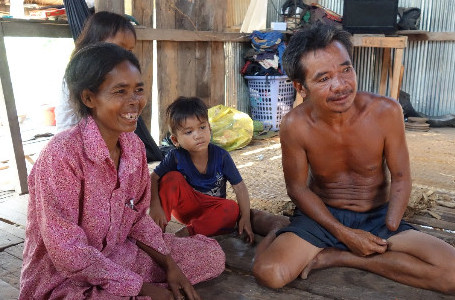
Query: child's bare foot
(182, 232)
(326, 258)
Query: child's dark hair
(182, 108)
(101, 26)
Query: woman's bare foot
(326, 258)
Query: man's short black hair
(306, 40)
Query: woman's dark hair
(303, 41)
(101, 26)
(87, 69)
(182, 108)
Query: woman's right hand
(156, 292)
(158, 215)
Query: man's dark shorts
(372, 221)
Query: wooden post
(143, 13)
(397, 63)
(168, 81)
(9, 116)
(385, 71)
(115, 6)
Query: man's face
(331, 82)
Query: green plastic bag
(231, 129)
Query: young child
(190, 183)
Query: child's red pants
(203, 214)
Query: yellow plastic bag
(231, 129)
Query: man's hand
(180, 285)
(158, 215)
(245, 226)
(363, 243)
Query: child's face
(193, 135)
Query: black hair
(303, 41)
(101, 26)
(182, 108)
(87, 70)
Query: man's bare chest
(353, 152)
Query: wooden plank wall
(143, 13)
(190, 68)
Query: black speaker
(370, 16)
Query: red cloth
(203, 214)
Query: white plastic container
(271, 98)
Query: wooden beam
(31, 28)
(179, 35)
(59, 30)
(379, 41)
(115, 6)
(8, 114)
(419, 35)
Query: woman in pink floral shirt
(88, 234)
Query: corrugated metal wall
(236, 89)
(429, 74)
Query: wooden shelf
(420, 35)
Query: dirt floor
(432, 166)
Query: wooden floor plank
(14, 210)
(16, 251)
(8, 292)
(16, 230)
(239, 255)
(447, 220)
(234, 286)
(429, 221)
(440, 234)
(8, 240)
(348, 283)
(10, 269)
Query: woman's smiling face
(119, 100)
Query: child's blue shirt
(220, 168)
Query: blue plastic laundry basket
(271, 98)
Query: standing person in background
(190, 183)
(107, 27)
(88, 233)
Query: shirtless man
(337, 146)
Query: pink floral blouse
(84, 217)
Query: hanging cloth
(269, 41)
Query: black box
(370, 16)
